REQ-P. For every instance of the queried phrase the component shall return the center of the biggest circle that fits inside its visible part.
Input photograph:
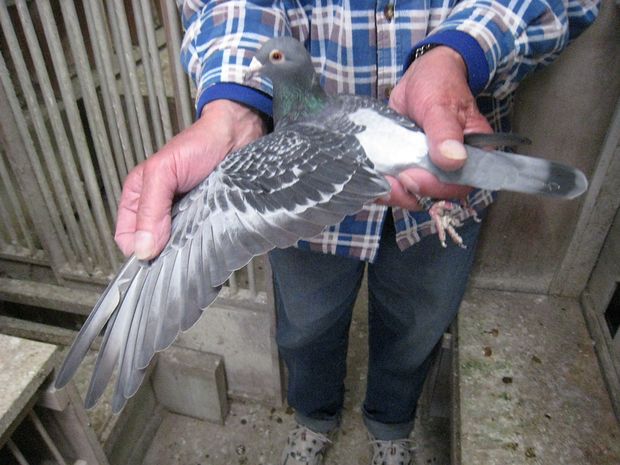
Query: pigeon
(326, 158)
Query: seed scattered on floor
(507, 379)
(530, 453)
(240, 449)
(487, 351)
(535, 359)
(505, 396)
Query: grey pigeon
(325, 159)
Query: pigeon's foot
(446, 217)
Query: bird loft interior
(89, 88)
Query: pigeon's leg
(444, 215)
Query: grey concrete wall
(566, 110)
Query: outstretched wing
(286, 186)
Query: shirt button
(388, 11)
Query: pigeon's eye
(276, 56)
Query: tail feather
(497, 170)
(496, 139)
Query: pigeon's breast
(390, 146)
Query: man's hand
(144, 213)
(434, 93)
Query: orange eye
(275, 56)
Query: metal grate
(88, 88)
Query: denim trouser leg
(314, 296)
(413, 297)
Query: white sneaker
(304, 447)
(397, 452)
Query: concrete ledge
(130, 434)
(530, 387)
(40, 332)
(24, 366)
(245, 340)
(48, 296)
(191, 383)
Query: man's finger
(399, 196)
(127, 210)
(425, 184)
(153, 216)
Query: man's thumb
(444, 134)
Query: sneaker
(304, 447)
(397, 452)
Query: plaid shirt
(362, 47)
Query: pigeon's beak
(254, 70)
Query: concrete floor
(254, 434)
(530, 388)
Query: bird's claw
(445, 217)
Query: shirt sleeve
(504, 41)
(221, 37)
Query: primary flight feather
(326, 158)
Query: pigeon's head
(282, 59)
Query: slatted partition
(89, 88)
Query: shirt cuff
(237, 93)
(468, 48)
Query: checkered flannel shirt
(363, 47)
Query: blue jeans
(413, 297)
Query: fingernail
(453, 150)
(409, 184)
(144, 245)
